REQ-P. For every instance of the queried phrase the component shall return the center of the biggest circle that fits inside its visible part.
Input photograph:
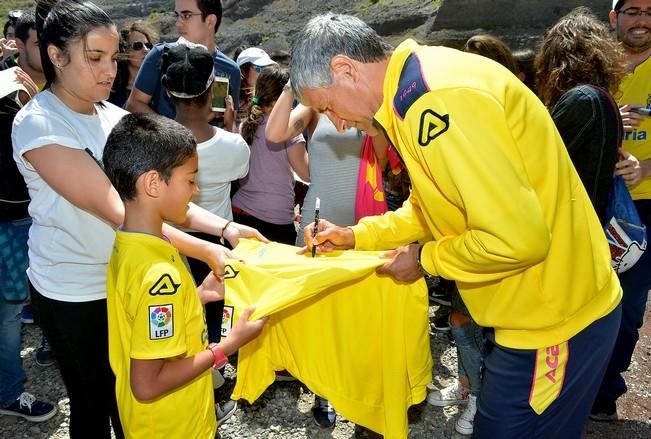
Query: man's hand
(211, 289)
(329, 237)
(235, 231)
(630, 119)
(403, 265)
(631, 169)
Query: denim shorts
(13, 259)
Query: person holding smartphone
(197, 23)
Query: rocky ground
(284, 410)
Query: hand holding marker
(642, 110)
(316, 223)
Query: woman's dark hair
(525, 58)
(268, 88)
(60, 23)
(187, 70)
(8, 24)
(493, 48)
(578, 50)
(122, 77)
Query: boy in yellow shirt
(157, 332)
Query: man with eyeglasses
(197, 22)
(632, 22)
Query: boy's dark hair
(187, 70)
(25, 23)
(208, 7)
(143, 142)
(60, 23)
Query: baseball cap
(617, 4)
(255, 56)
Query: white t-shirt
(69, 248)
(222, 159)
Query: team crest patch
(164, 286)
(432, 125)
(227, 320)
(161, 321)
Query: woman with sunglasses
(136, 40)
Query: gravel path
(284, 409)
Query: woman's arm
(297, 155)
(285, 123)
(74, 175)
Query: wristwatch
(419, 265)
(220, 358)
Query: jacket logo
(164, 286)
(230, 272)
(432, 125)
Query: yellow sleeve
(477, 165)
(159, 319)
(392, 229)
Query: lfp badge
(161, 321)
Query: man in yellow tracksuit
(496, 205)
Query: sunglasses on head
(139, 45)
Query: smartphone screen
(219, 93)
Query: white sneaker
(452, 394)
(465, 423)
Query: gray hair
(326, 36)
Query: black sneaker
(324, 413)
(28, 407)
(442, 324)
(438, 291)
(224, 410)
(44, 354)
(26, 314)
(604, 412)
(604, 417)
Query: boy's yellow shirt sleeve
(158, 316)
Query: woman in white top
(57, 138)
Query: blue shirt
(148, 80)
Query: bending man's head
(331, 65)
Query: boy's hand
(235, 231)
(243, 332)
(211, 289)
